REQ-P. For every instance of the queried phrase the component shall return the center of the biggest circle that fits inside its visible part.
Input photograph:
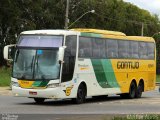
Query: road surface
(148, 104)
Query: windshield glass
(36, 57)
(23, 64)
(36, 64)
(46, 65)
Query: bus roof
(140, 38)
(102, 33)
(51, 32)
(114, 34)
(97, 31)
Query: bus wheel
(81, 94)
(139, 90)
(132, 90)
(39, 100)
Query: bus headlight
(53, 85)
(14, 84)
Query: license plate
(32, 93)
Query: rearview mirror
(9, 51)
(61, 53)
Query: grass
(138, 117)
(158, 78)
(5, 76)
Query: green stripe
(100, 74)
(104, 73)
(109, 72)
(41, 83)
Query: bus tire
(81, 94)
(139, 90)
(39, 100)
(132, 90)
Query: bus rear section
(114, 63)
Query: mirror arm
(61, 62)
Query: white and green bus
(78, 63)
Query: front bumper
(53, 93)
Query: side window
(123, 49)
(112, 47)
(143, 50)
(85, 47)
(69, 58)
(134, 53)
(71, 44)
(150, 49)
(98, 48)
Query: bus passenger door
(69, 58)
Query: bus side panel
(128, 70)
(150, 66)
(121, 73)
(98, 75)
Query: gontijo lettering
(127, 65)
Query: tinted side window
(143, 50)
(134, 53)
(123, 49)
(112, 47)
(71, 43)
(150, 48)
(69, 58)
(85, 47)
(98, 48)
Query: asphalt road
(148, 104)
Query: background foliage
(20, 15)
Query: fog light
(53, 85)
(16, 94)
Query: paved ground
(93, 109)
(5, 91)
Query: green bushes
(5, 76)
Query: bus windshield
(36, 64)
(36, 57)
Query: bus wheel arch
(81, 93)
(140, 89)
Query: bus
(80, 63)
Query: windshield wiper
(39, 70)
(17, 54)
(23, 76)
(32, 63)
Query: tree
(21, 15)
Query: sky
(153, 6)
